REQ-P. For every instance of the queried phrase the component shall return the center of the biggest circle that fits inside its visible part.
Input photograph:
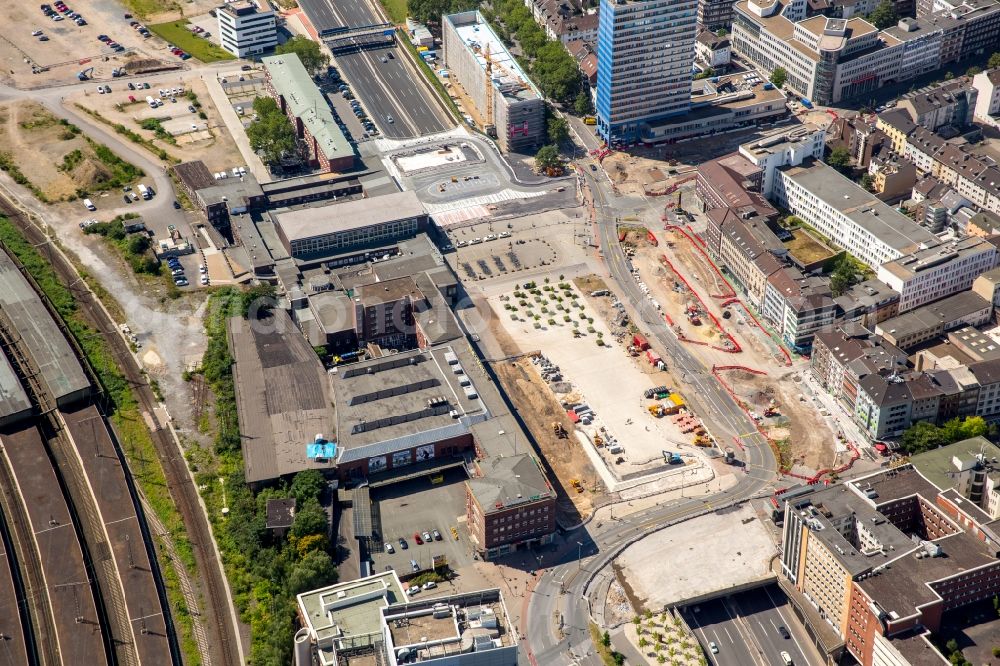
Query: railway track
(223, 636)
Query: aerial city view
(500, 333)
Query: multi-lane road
(561, 593)
(391, 89)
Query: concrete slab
(734, 545)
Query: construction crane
(489, 127)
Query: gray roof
(282, 397)
(49, 349)
(908, 266)
(13, 400)
(861, 207)
(509, 481)
(337, 217)
(933, 315)
(305, 101)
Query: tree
(272, 136)
(972, 71)
(779, 76)
(308, 52)
(558, 130)
(265, 106)
(994, 61)
(884, 15)
(721, 32)
(314, 570)
(307, 486)
(867, 183)
(925, 436)
(430, 11)
(845, 274)
(547, 157)
(582, 105)
(309, 519)
(605, 639)
(840, 160)
(257, 300)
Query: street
(392, 89)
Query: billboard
(402, 458)
(376, 464)
(425, 452)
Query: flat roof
(388, 291)
(282, 397)
(404, 400)
(13, 399)
(861, 207)
(508, 481)
(926, 258)
(305, 101)
(934, 314)
(49, 349)
(313, 221)
(477, 35)
(350, 609)
(938, 465)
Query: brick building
(509, 505)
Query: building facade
(245, 29)
(644, 50)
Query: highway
(390, 89)
(562, 590)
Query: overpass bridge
(349, 39)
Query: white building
(988, 100)
(937, 271)
(714, 51)
(785, 149)
(245, 29)
(850, 216)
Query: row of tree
(925, 436)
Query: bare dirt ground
(37, 144)
(539, 409)
(210, 142)
(809, 439)
(633, 174)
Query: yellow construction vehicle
(576, 484)
(598, 441)
(558, 430)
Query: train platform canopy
(22, 310)
(14, 403)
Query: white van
(89, 204)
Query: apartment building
(288, 82)
(510, 505)
(847, 214)
(246, 29)
(938, 270)
(836, 348)
(714, 15)
(384, 312)
(798, 306)
(988, 100)
(950, 103)
(880, 559)
(714, 51)
(868, 303)
(926, 323)
(471, 48)
(973, 177)
(644, 50)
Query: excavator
(85, 74)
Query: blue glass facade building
(645, 50)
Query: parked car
(427, 537)
(430, 585)
(389, 549)
(416, 537)
(403, 544)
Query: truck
(144, 191)
(672, 458)
(640, 342)
(150, 101)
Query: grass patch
(122, 173)
(807, 249)
(397, 10)
(178, 34)
(608, 656)
(156, 127)
(137, 444)
(144, 8)
(132, 136)
(7, 164)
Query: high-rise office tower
(645, 50)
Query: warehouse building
(349, 225)
(288, 82)
(474, 54)
(14, 403)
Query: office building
(510, 505)
(786, 148)
(987, 84)
(246, 29)
(644, 50)
(505, 99)
(848, 215)
(372, 620)
(288, 82)
(715, 15)
(938, 270)
(933, 320)
(884, 560)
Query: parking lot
(401, 509)
(745, 629)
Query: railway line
(17, 645)
(91, 586)
(139, 620)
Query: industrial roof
(282, 396)
(305, 101)
(49, 349)
(316, 221)
(13, 399)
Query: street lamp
(579, 555)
